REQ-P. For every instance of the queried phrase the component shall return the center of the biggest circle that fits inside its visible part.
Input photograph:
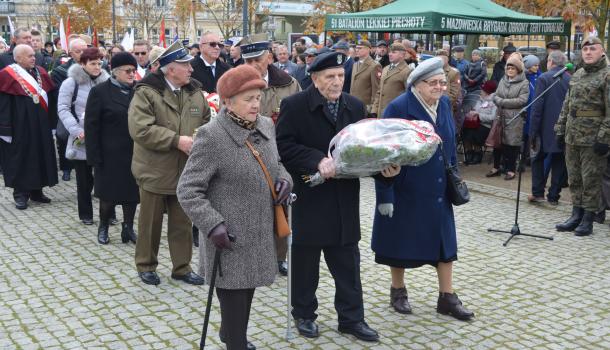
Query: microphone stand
(515, 230)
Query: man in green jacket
(167, 108)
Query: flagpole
(113, 24)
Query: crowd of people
(137, 128)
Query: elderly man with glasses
(207, 66)
(140, 52)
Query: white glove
(386, 209)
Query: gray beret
(426, 69)
(341, 45)
(530, 60)
(476, 52)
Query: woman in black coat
(110, 148)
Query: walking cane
(208, 306)
(289, 335)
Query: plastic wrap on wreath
(213, 101)
(365, 148)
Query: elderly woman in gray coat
(511, 96)
(223, 190)
(71, 103)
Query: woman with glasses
(414, 224)
(71, 103)
(110, 148)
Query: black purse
(457, 191)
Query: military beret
(327, 60)
(592, 40)
(174, 53)
(341, 45)
(554, 45)
(458, 49)
(364, 43)
(382, 43)
(398, 47)
(426, 69)
(509, 48)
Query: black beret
(327, 60)
(123, 59)
(509, 48)
(554, 45)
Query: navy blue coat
(422, 227)
(546, 110)
(348, 66)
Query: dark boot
(586, 225)
(102, 232)
(573, 221)
(600, 217)
(399, 300)
(468, 157)
(127, 233)
(450, 304)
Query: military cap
(592, 40)
(458, 49)
(327, 60)
(341, 45)
(428, 68)
(364, 43)
(174, 53)
(553, 45)
(254, 45)
(510, 48)
(398, 47)
(382, 43)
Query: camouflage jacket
(585, 115)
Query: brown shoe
(450, 304)
(399, 300)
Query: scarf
(246, 124)
(430, 109)
(126, 89)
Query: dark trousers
(19, 193)
(540, 177)
(107, 212)
(64, 163)
(84, 186)
(235, 307)
(344, 265)
(506, 156)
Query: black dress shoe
(113, 221)
(87, 221)
(307, 328)
(360, 330)
(66, 175)
(399, 300)
(128, 234)
(249, 345)
(102, 233)
(190, 278)
(282, 266)
(40, 198)
(149, 277)
(450, 304)
(21, 203)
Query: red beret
(239, 79)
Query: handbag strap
(265, 171)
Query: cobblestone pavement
(59, 289)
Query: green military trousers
(179, 234)
(585, 170)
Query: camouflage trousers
(585, 170)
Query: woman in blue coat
(414, 224)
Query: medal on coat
(36, 99)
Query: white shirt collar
(171, 86)
(206, 62)
(267, 78)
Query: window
(161, 3)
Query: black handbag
(457, 191)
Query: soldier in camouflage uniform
(584, 128)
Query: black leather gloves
(220, 237)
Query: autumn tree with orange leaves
(315, 23)
(85, 14)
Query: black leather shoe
(128, 234)
(21, 203)
(195, 236)
(586, 225)
(113, 221)
(149, 277)
(307, 328)
(40, 198)
(190, 278)
(600, 217)
(573, 221)
(87, 221)
(360, 330)
(66, 175)
(249, 345)
(399, 300)
(450, 304)
(102, 234)
(282, 266)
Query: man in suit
(140, 51)
(393, 80)
(283, 61)
(365, 75)
(302, 73)
(22, 36)
(343, 48)
(208, 67)
(325, 217)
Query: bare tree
(145, 14)
(226, 14)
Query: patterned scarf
(333, 108)
(246, 124)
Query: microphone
(568, 66)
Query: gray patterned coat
(510, 97)
(223, 182)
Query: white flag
(126, 42)
(192, 28)
(10, 25)
(62, 36)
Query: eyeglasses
(434, 83)
(141, 53)
(214, 44)
(128, 70)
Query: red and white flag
(162, 35)
(63, 38)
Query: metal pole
(113, 23)
(289, 334)
(569, 39)
(245, 19)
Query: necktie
(392, 66)
(213, 68)
(177, 92)
(282, 66)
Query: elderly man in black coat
(325, 217)
(545, 113)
